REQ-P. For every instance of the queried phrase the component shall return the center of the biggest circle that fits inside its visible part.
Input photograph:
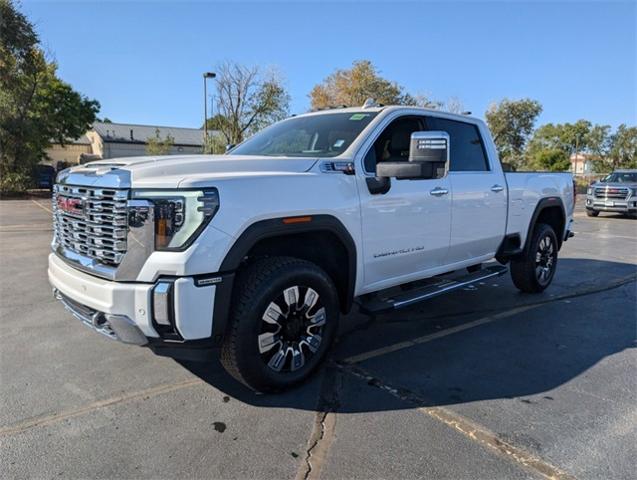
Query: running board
(379, 304)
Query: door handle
(497, 188)
(437, 192)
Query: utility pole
(206, 76)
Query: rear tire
(592, 213)
(534, 272)
(283, 320)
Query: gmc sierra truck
(617, 192)
(254, 254)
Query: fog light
(162, 303)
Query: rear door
(478, 193)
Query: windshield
(621, 177)
(325, 135)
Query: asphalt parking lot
(482, 383)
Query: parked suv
(258, 252)
(616, 192)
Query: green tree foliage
(606, 150)
(159, 146)
(623, 148)
(248, 99)
(511, 123)
(569, 137)
(553, 160)
(36, 107)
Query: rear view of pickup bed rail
(256, 253)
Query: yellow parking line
(42, 206)
(485, 437)
(127, 397)
(467, 427)
(26, 225)
(433, 336)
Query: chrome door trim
(439, 191)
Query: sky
(143, 61)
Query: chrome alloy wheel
(291, 329)
(545, 259)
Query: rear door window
(467, 152)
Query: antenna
(369, 103)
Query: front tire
(534, 272)
(283, 321)
(592, 213)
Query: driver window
(393, 144)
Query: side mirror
(230, 146)
(428, 158)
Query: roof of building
(83, 140)
(131, 133)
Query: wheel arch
(551, 211)
(320, 239)
(548, 210)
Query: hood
(174, 170)
(615, 184)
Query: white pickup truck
(258, 251)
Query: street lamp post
(206, 76)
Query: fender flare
(274, 227)
(543, 204)
(510, 246)
(269, 228)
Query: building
(581, 164)
(69, 153)
(113, 140)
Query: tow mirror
(428, 158)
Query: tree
(511, 123)
(570, 137)
(159, 146)
(623, 147)
(574, 139)
(599, 144)
(455, 105)
(248, 100)
(351, 87)
(607, 151)
(36, 107)
(553, 160)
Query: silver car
(616, 192)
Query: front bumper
(124, 311)
(620, 206)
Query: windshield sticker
(339, 143)
(359, 116)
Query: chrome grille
(91, 221)
(618, 193)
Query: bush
(15, 182)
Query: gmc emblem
(70, 205)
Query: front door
(405, 231)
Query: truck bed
(525, 191)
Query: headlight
(180, 215)
(589, 191)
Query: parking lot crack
(324, 426)
(470, 429)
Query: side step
(378, 304)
